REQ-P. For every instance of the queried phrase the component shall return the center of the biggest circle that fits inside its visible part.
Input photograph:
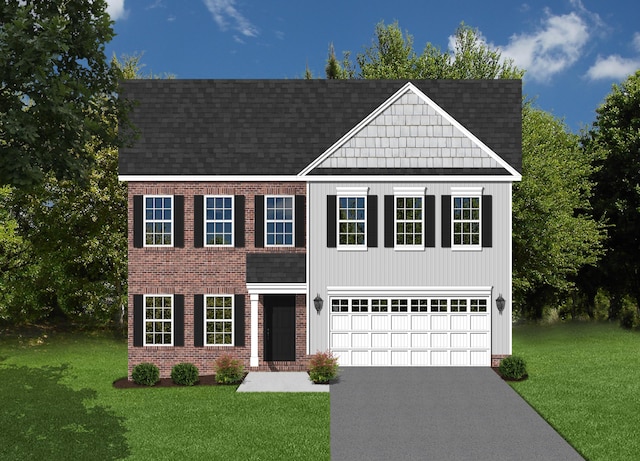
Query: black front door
(280, 327)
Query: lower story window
(218, 320)
(158, 320)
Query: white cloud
(636, 41)
(116, 10)
(224, 11)
(556, 46)
(612, 67)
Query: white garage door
(411, 330)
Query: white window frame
(214, 321)
(146, 321)
(172, 222)
(352, 193)
(466, 193)
(216, 221)
(396, 221)
(276, 221)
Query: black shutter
(446, 221)
(138, 221)
(487, 230)
(178, 320)
(138, 320)
(429, 221)
(301, 201)
(389, 221)
(259, 222)
(239, 320)
(198, 320)
(238, 221)
(331, 221)
(178, 221)
(372, 221)
(198, 221)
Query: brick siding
(209, 270)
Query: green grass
(584, 379)
(58, 402)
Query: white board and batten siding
(410, 338)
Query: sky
(573, 51)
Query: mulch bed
(497, 370)
(205, 380)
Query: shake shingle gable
(278, 127)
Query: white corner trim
(409, 191)
(360, 191)
(254, 359)
(276, 288)
(456, 190)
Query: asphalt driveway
(436, 414)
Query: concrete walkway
(436, 414)
(281, 381)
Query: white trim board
(320, 179)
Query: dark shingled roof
(278, 127)
(276, 268)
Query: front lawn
(58, 403)
(584, 379)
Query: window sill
(408, 248)
(464, 248)
(352, 248)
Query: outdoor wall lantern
(318, 302)
(500, 303)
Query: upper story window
(279, 220)
(352, 221)
(158, 320)
(219, 220)
(409, 222)
(466, 221)
(158, 220)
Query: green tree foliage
(392, 56)
(614, 140)
(553, 234)
(55, 88)
(63, 242)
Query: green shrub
(185, 374)
(513, 367)
(628, 314)
(146, 374)
(323, 367)
(228, 370)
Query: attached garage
(411, 327)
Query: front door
(280, 327)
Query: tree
(614, 140)
(553, 234)
(55, 88)
(392, 56)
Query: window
(158, 320)
(219, 221)
(438, 305)
(218, 319)
(158, 220)
(478, 305)
(419, 305)
(379, 305)
(466, 221)
(458, 305)
(359, 305)
(398, 305)
(279, 221)
(352, 221)
(409, 219)
(339, 305)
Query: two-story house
(271, 219)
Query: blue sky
(573, 50)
